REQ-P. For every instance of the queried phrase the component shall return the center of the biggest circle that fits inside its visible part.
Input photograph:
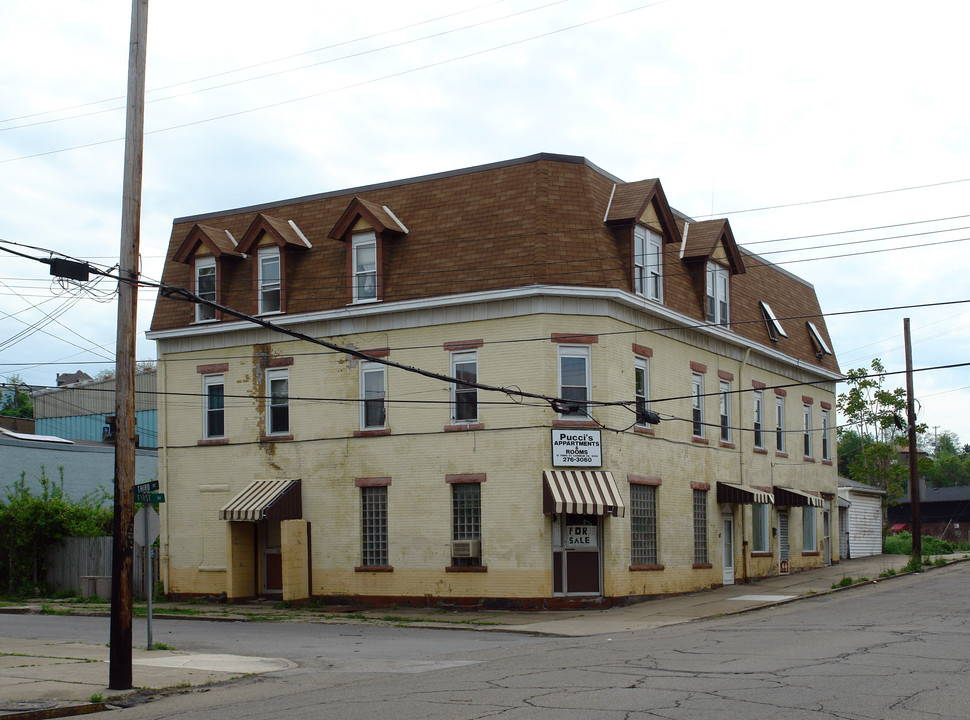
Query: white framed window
(760, 531)
(278, 401)
(697, 403)
(464, 398)
(821, 347)
(825, 435)
(724, 410)
(574, 380)
(807, 430)
(205, 287)
(808, 529)
(373, 526)
(373, 415)
(270, 283)
(643, 525)
(718, 285)
(648, 263)
(779, 423)
(700, 527)
(365, 267)
(214, 407)
(759, 418)
(641, 376)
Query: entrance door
(783, 547)
(727, 540)
(827, 534)
(576, 541)
(843, 533)
(270, 543)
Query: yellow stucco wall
(512, 450)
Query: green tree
(19, 405)
(877, 416)
(30, 524)
(948, 467)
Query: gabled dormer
(711, 255)
(643, 220)
(366, 227)
(270, 240)
(205, 249)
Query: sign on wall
(581, 536)
(571, 448)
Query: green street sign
(146, 487)
(151, 497)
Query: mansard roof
(534, 221)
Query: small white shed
(861, 532)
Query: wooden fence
(83, 565)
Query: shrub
(902, 544)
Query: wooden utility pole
(913, 471)
(119, 673)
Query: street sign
(151, 497)
(146, 487)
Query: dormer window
(648, 263)
(365, 267)
(718, 285)
(821, 347)
(775, 329)
(269, 279)
(205, 287)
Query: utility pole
(913, 472)
(119, 672)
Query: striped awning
(266, 500)
(796, 498)
(734, 493)
(581, 492)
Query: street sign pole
(150, 579)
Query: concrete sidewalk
(55, 679)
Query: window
(466, 515)
(759, 528)
(277, 402)
(808, 529)
(205, 288)
(717, 294)
(373, 526)
(213, 387)
(759, 418)
(779, 423)
(807, 430)
(574, 380)
(464, 398)
(697, 403)
(643, 525)
(700, 527)
(641, 389)
(724, 411)
(775, 330)
(825, 435)
(269, 280)
(818, 342)
(372, 413)
(647, 262)
(365, 267)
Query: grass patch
(887, 573)
(96, 698)
(46, 609)
(161, 646)
(902, 544)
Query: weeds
(160, 646)
(96, 698)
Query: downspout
(161, 378)
(744, 533)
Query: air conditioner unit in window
(466, 548)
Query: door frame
(560, 557)
(727, 552)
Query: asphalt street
(896, 649)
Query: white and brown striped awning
(266, 500)
(796, 498)
(743, 494)
(581, 492)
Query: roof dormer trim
(705, 238)
(629, 202)
(283, 233)
(211, 239)
(380, 217)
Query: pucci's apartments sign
(576, 448)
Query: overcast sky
(735, 106)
